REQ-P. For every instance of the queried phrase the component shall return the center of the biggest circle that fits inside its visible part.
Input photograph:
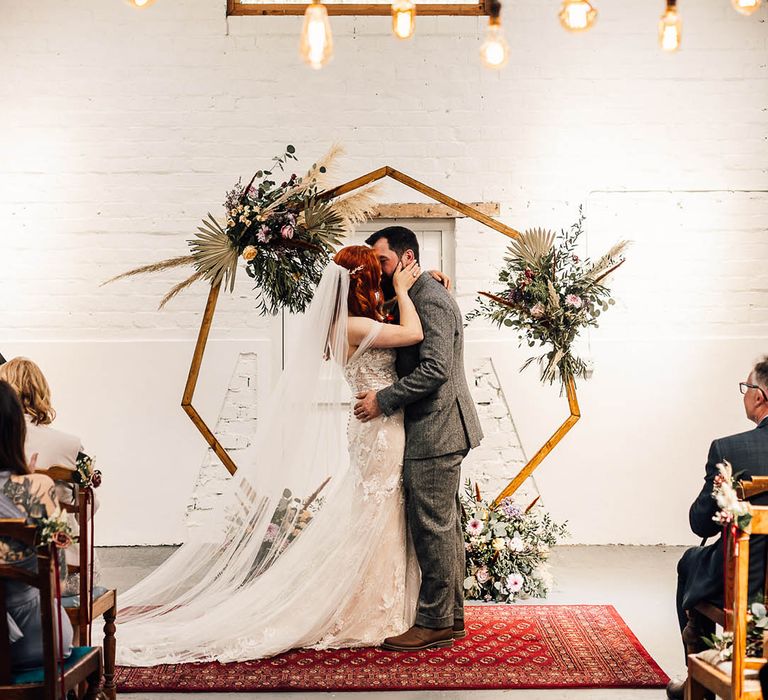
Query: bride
(309, 547)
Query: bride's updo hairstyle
(364, 297)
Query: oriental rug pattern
(507, 646)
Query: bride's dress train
(350, 577)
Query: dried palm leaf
(608, 262)
(323, 222)
(554, 298)
(532, 245)
(178, 288)
(215, 257)
(168, 264)
(357, 208)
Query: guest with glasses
(700, 575)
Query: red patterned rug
(507, 646)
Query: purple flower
(573, 301)
(263, 233)
(286, 231)
(511, 509)
(271, 533)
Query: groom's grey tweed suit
(441, 426)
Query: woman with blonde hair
(52, 447)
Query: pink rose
(537, 310)
(61, 539)
(286, 231)
(263, 234)
(573, 301)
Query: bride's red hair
(364, 297)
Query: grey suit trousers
(434, 518)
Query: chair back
(739, 569)
(80, 506)
(44, 580)
(749, 488)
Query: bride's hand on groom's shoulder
(441, 277)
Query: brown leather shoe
(418, 638)
(459, 632)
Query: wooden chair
(703, 676)
(103, 601)
(722, 617)
(83, 667)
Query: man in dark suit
(441, 426)
(700, 574)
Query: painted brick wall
(121, 129)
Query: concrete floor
(638, 581)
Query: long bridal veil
(264, 571)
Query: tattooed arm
(35, 496)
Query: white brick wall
(121, 129)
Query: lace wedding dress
(331, 568)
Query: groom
(441, 426)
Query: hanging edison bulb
(140, 4)
(316, 47)
(670, 28)
(746, 7)
(494, 53)
(577, 15)
(403, 18)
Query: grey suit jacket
(440, 416)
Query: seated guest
(52, 446)
(700, 574)
(23, 494)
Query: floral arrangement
(757, 625)
(55, 529)
(731, 509)
(506, 548)
(85, 475)
(550, 294)
(285, 233)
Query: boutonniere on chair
(55, 529)
(732, 510)
(85, 474)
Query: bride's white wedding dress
(340, 572)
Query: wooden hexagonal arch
(467, 210)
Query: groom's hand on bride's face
(367, 406)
